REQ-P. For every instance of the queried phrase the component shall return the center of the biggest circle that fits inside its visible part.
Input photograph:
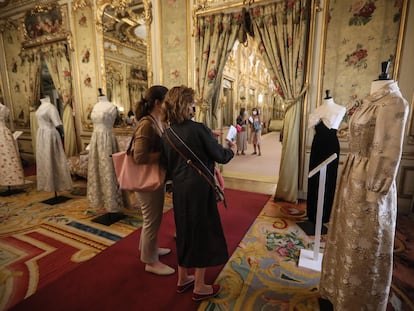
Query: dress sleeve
(386, 148)
(54, 115)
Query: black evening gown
(324, 144)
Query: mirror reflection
(125, 54)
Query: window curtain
(57, 60)
(31, 61)
(215, 37)
(281, 30)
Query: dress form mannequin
(364, 215)
(53, 172)
(11, 170)
(102, 189)
(325, 120)
(383, 78)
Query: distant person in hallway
(199, 234)
(241, 121)
(256, 130)
(147, 149)
(325, 121)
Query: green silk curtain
(215, 37)
(56, 59)
(281, 30)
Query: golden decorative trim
(53, 33)
(207, 8)
(80, 4)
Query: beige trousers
(152, 204)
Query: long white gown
(103, 190)
(11, 170)
(52, 168)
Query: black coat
(200, 238)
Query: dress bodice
(48, 116)
(373, 124)
(103, 116)
(329, 113)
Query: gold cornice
(80, 4)
(8, 24)
(206, 8)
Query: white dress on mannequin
(52, 168)
(103, 189)
(329, 113)
(11, 171)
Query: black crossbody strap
(187, 160)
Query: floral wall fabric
(360, 35)
(174, 37)
(19, 82)
(85, 49)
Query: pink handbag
(137, 177)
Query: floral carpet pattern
(40, 242)
(263, 272)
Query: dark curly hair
(146, 104)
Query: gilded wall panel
(86, 82)
(18, 86)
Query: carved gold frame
(123, 4)
(39, 11)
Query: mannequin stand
(307, 258)
(56, 200)
(109, 218)
(10, 191)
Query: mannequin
(358, 256)
(53, 172)
(325, 120)
(383, 78)
(103, 191)
(11, 170)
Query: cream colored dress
(357, 263)
(52, 170)
(11, 170)
(103, 189)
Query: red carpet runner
(115, 279)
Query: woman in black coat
(199, 234)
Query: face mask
(254, 113)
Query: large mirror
(126, 28)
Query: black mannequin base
(109, 218)
(11, 192)
(56, 200)
(309, 227)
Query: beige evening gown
(357, 263)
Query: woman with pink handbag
(146, 150)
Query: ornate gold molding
(80, 4)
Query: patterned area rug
(263, 272)
(41, 242)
